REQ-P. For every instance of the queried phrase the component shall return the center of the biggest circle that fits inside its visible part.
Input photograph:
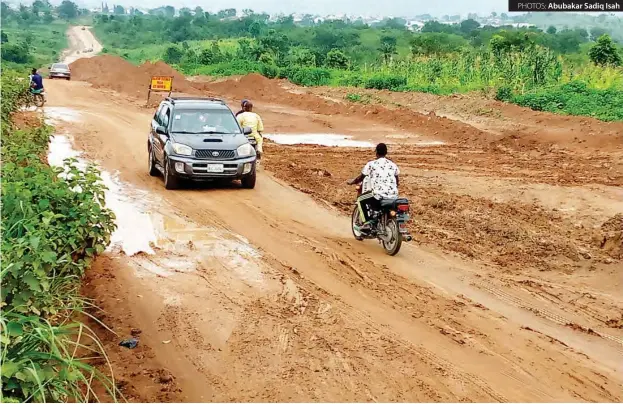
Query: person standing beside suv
(250, 119)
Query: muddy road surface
(511, 291)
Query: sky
(326, 7)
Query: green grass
(50, 235)
(47, 41)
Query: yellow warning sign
(161, 83)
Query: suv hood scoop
(213, 140)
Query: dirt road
(82, 44)
(263, 295)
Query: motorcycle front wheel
(356, 222)
(395, 238)
(38, 100)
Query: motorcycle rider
(380, 181)
(36, 83)
(253, 121)
(242, 103)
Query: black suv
(199, 138)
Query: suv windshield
(204, 121)
(59, 66)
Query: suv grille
(215, 154)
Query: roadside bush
(307, 76)
(350, 80)
(576, 98)
(52, 228)
(353, 97)
(270, 71)
(394, 83)
(504, 93)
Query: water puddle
(162, 244)
(135, 232)
(318, 139)
(341, 140)
(55, 114)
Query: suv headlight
(245, 150)
(182, 149)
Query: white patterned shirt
(382, 178)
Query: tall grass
(50, 234)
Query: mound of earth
(257, 87)
(612, 241)
(115, 73)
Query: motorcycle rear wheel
(395, 242)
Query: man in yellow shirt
(252, 120)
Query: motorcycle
(36, 98)
(389, 225)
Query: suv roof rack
(174, 98)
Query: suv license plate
(215, 168)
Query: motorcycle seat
(393, 202)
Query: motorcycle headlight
(245, 150)
(182, 149)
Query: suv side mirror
(246, 130)
(161, 130)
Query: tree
(16, 53)
(47, 17)
(336, 59)
(173, 55)
(67, 10)
(437, 43)
(551, 30)
(469, 25)
(388, 47)
(604, 52)
(5, 11)
(302, 57)
(3, 37)
(597, 32)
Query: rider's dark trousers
(367, 203)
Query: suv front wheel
(170, 180)
(248, 181)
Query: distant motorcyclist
(250, 119)
(380, 181)
(242, 103)
(36, 83)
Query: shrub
(270, 71)
(504, 93)
(394, 83)
(307, 76)
(576, 98)
(51, 230)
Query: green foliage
(52, 228)
(173, 55)
(442, 59)
(504, 93)
(437, 43)
(68, 10)
(269, 70)
(306, 76)
(604, 52)
(382, 82)
(576, 98)
(336, 59)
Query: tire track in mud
(544, 313)
(347, 311)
